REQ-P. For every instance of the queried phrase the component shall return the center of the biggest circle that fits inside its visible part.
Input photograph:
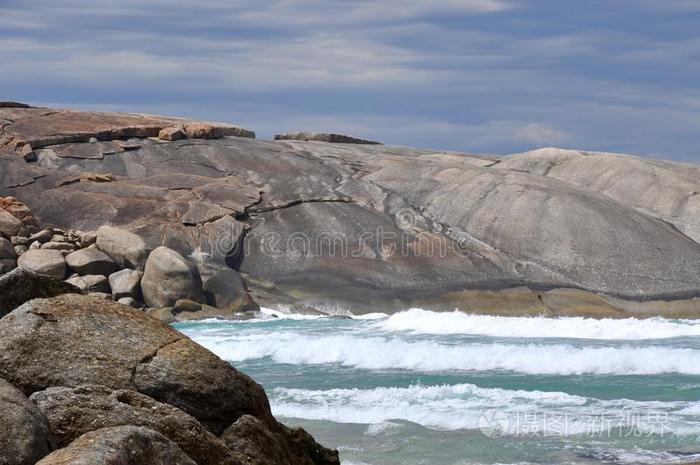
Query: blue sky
(489, 76)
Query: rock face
(169, 277)
(45, 262)
(20, 286)
(362, 226)
(90, 363)
(121, 445)
(25, 432)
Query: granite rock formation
(361, 227)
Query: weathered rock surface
(44, 261)
(92, 364)
(361, 226)
(121, 445)
(124, 247)
(91, 261)
(667, 190)
(56, 342)
(7, 250)
(25, 434)
(91, 283)
(72, 412)
(20, 286)
(168, 277)
(125, 283)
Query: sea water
(419, 387)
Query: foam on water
(380, 353)
(426, 322)
(463, 406)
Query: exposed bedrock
(367, 227)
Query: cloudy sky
(490, 76)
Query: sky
(485, 76)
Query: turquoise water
(448, 388)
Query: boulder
(226, 291)
(7, 265)
(62, 246)
(129, 302)
(91, 261)
(9, 224)
(43, 261)
(20, 286)
(20, 249)
(95, 283)
(168, 277)
(42, 236)
(27, 153)
(121, 445)
(25, 432)
(172, 133)
(72, 412)
(125, 283)
(125, 247)
(252, 438)
(87, 238)
(19, 210)
(197, 130)
(74, 340)
(7, 251)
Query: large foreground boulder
(74, 340)
(72, 412)
(25, 431)
(92, 363)
(122, 445)
(20, 286)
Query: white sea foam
(378, 353)
(426, 322)
(454, 407)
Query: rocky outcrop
(91, 365)
(25, 434)
(324, 137)
(121, 445)
(361, 226)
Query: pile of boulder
(116, 264)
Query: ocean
(419, 387)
